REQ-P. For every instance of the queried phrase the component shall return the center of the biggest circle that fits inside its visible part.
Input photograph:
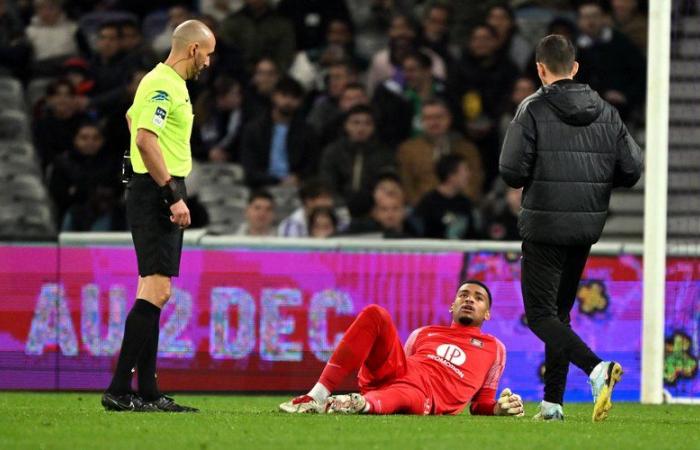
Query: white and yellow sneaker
(303, 404)
(346, 404)
(602, 380)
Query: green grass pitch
(77, 421)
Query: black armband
(169, 192)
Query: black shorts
(157, 240)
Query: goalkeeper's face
(471, 305)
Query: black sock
(137, 330)
(146, 365)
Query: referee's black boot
(125, 402)
(167, 404)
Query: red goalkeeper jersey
(457, 365)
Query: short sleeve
(157, 105)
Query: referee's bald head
(191, 32)
(192, 44)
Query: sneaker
(124, 402)
(346, 404)
(602, 381)
(167, 404)
(303, 404)
(549, 411)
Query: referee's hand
(180, 214)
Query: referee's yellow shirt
(162, 105)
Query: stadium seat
(36, 90)
(13, 125)
(230, 195)
(17, 148)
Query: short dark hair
(492, 31)
(422, 58)
(359, 109)
(111, 24)
(345, 63)
(354, 86)
(479, 283)
(289, 86)
(436, 101)
(446, 166)
(557, 53)
(438, 5)
(260, 194)
(323, 211)
(601, 5)
(53, 87)
(314, 188)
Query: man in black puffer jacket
(568, 148)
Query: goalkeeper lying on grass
(439, 371)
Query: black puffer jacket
(568, 148)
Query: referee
(160, 123)
(567, 148)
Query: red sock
(361, 338)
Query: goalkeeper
(440, 370)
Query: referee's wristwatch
(169, 192)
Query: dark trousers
(550, 278)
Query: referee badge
(159, 117)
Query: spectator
(386, 64)
(259, 215)
(311, 19)
(481, 84)
(78, 171)
(399, 108)
(15, 49)
(101, 212)
(219, 9)
(326, 108)
(218, 122)
(610, 63)
(445, 212)
(523, 88)
(57, 125)
(115, 129)
(558, 25)
(353, 94)
(279, 147)
(176, 15)
(417, 156)
(501, 215)
(314, 194)
(509, 40)
(134, 48)
(371, 19)
(52, 35)
(631, 22)
(388, 218)
(258, 97)
(351, 163)
(311, 67)
(77, 71)
(258, 31)
(435, 33)
(323, 223)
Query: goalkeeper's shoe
(167, 404)
(346, 404)
(602, 380)
(549, 411)
(303, 404)
(124, 402)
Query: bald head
(192, 32)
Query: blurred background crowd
(316, 117)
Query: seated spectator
(609, 62)
(353, 94)
(137, 52)
(259, 215)
(371, 20)
(101, 212)
(323, 223)
(218, 122)
(258, 31)
(77, 71)
(314, 194)
(76, 172)
(58, 123)
(630, 21)
(311, 19)
(219, 9)
(510, 41)
(417, 156)
(352, 162)
(176, 15)
(481, 84)
(501, 215)
(445, 212)
(386, 64)
(522, 89)
(52, 35)
(279, 147)
(399, 108)
(435, 31)
(326, 108)
(257, 99)
(387, 219)
(15, 49)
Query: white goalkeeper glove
(509, 404)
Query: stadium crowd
(386, 116)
